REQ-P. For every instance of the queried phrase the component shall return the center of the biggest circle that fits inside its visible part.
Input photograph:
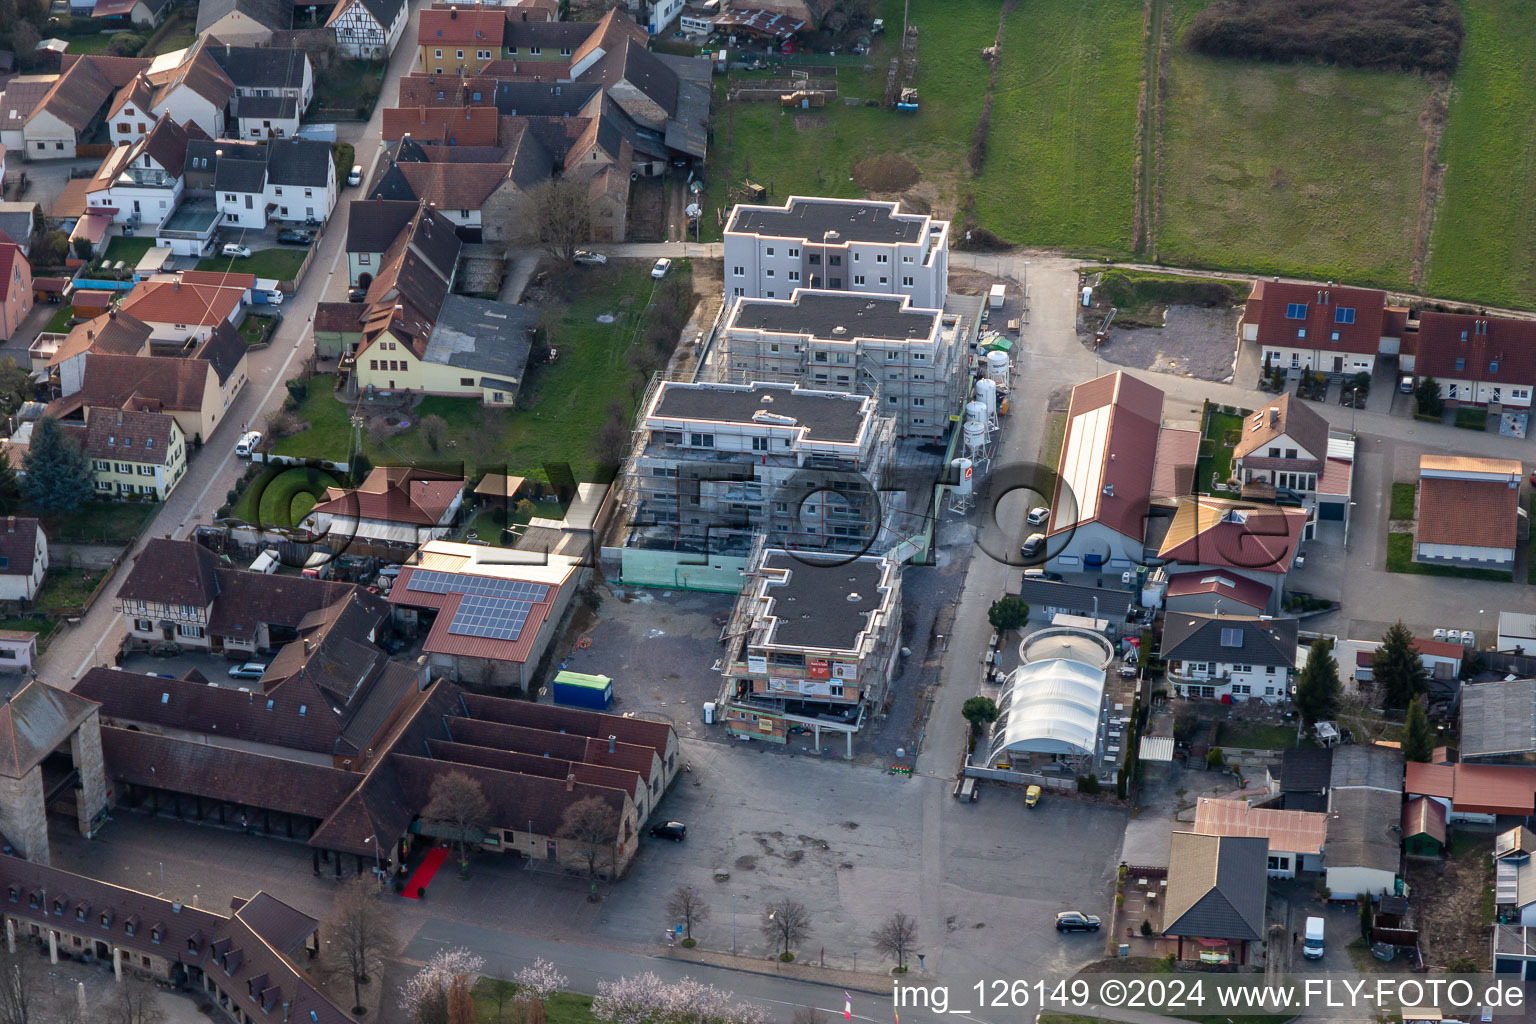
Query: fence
(1008, 775)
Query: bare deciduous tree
(19, 991)
(458, 805)
(687, 905)
(785, 923)
(809, 1015)
(136, 1001)
(433, 428)
(896, 938)
(594, 824)
(563, 216)
(361, 940)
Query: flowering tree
(646, 999)
(425, 998)
(536, 983)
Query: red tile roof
(468, 27)
(171, 302)
(1234, 535)
(1269, 301)
(459, 126)
(219, 278)
(396, 494)
(1173, 471)
(1228, 586)
(1115, 458)
(440, 641)
(1476, 788)
(1470, 513)
(10, 255)
(1439, 648)
(1480, 343)
(1423, 816)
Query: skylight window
(1344, 315)
(1296, 311)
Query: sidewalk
(810, 973)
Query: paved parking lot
(214, 667)
(854, 844)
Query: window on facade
(882, 258)
(702, 440)
(858, 279)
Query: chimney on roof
(90, 335)
(1274, 415)
(611, 741)
(570, 783)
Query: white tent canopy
(1050, 707)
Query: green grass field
(59, 322)
(129, 250)
(1484, 242)
(103, 522)
(560, 1008)
(1290, 169)
(281, 496)
(1216, 453)
(281, 264)
(64, 590)
(1061, 152)
(559, 412)
(1402, 501)
(254, 328)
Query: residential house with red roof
(140, 183)
(1287, 451)
(1326, 328)
(15, 288)
(488, 613)
(1474, 792)
(178, 312)
(23, 560)
(1104, 476)
(1202, 537)
(195, 91)
(1477, 360)
(460, 39)
(1468, 511)
(393, 512)
(74, 104)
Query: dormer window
(80, 913)
(58, 907)
(157, 933)
(32, 901)
(15, 894)
(106, 919)
(130, 927)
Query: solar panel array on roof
(433, 582)
(491, 617)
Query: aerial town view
(767, 511)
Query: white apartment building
(912, 358)
(715, 465)
(1230, 657)
(853, 245)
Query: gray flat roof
(1498, 717)
(479, 334)
(811, 219)
(819, 314)
(826, 415)
(813, 606)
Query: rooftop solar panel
(490, 617)
(433, 582)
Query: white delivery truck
(1312, 941)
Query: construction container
(580, 690)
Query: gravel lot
(1197, 342)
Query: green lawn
(281, 496)
(1402, 501)
(1061, 149)
(281, 264)
(1485, 230)
(1142, 300)
(129, 250)
(1216, 449)
(1400, 559)
(1254, 736)
(488, 522)
(59, 322)
(1472, 418)
(560, 1008)
(560, 409)
(181, 33)
(89, 42)
(346, 87)
(254, 327)
(103, 522)
(1292, 168)
(64, 590)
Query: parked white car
(660, 269)
(231, 249)
(248, 443)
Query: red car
(788, 47)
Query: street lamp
(733, 924)
(378, 867)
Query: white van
(1312, 942)
(247, 443)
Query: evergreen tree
(58, 475)
(1317, 689)
(1419, 737)
(10, 489)
(1398, 671)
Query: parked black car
(673, 830)
(293, 236)
(1074, 921)
(357, 294)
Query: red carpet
(423, 875)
